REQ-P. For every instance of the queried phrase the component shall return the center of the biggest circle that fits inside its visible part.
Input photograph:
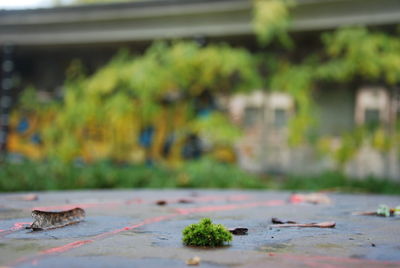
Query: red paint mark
(296, 199)
(209, 198)
(127, 228)
(17, 226)
(66, 247)
(80, 243)
(5, 232)
(238, 197)
(230, 207)
(20, 225)
(133, 201)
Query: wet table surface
(127, 228)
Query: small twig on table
(327, 224)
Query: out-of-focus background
(297, 94)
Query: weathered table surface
(128, 229)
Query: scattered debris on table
(239, 231)
(383, 211)
(161, 202)
(365, 213)
(314, 198)
(279, 221)
(193, 261)
(44, 220)
(185, 201)
(326, 224)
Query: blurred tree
(132, 107)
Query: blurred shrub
(56, 175)
(337, 181)
(34, 176)
(171, 89)
(208, 173)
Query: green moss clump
(206, 234)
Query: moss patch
(206, 234)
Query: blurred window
(252, 115)
(280, 118)
(372, 118)
(372, 106)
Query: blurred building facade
(45, 41)
(265, 117)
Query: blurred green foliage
(102, 115)
(92, 121)
(271, 21)
(349, 54)
(208, 173)
(204, 173)
(337, 181)
(297, 81)
(358, 52)
(217, 128)
(56, 175)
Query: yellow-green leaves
(271, 20)
(130, 93)
(298, 82)
(348, 54)
(103, 114)
(217, 129)
(357, 51)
